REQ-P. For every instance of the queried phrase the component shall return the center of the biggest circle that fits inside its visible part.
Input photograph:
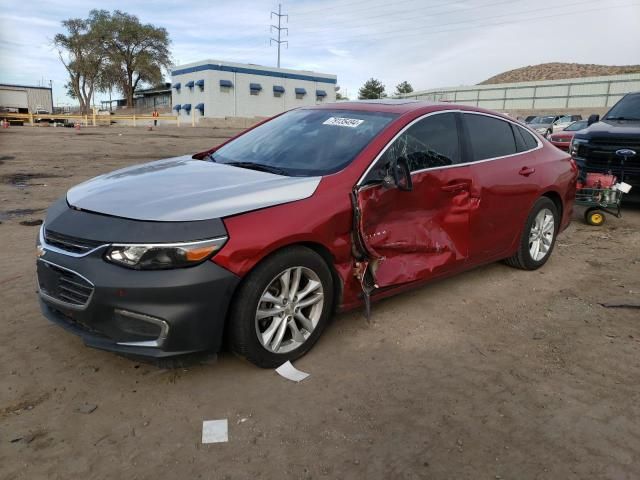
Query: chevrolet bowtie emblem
(40, 251)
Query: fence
(97, 120)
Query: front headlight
(541, 130)
(575, 145)
(161, 256)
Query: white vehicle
(564, 122)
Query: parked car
(562, 139)
(544, 124)
(319, 209)
(612, 144)
(564, 122)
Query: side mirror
(595, 118)
(398, 175)
(402, 174)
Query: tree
(81, 51)
(339, 96)
(139, 51)
(372, 88)
(403, 87)
(110, 50)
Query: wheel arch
(322, 251)
(557, 201)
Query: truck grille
(63, 285)
(600, 155)
(68, 243)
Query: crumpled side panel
(415, 234)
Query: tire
(524, 258)
(548, 134)
(257, 339)
(594, 217)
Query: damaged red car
(260, 240)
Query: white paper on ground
(215, 431)
(289, 372)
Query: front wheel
(281, 308)
(538, 237)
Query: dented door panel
(416, 235)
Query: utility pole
(279, 28)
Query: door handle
(526, 171)
(455, 187)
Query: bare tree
(81, 51)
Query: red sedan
(262, 239)
(562, 139)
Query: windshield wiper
(258, 166)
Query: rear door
(418, 234)
(503, 164)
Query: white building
(212, 88)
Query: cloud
(430, 44)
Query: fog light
(144, 330)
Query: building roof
(23, 86)
(252, 69)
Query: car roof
(400, 106)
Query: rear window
(489, 137)
(306, 142)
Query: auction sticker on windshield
(343, 122)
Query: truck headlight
(575, 145)
(160, 256)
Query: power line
(412, 15)
(420, 30)
(279, 28)
(371, 7)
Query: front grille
(63, 285)
(600, 155)
(68, 243)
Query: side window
(489, 137)
(429, 143)
(529, 140)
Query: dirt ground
(494, 374)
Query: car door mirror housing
(402, 175)
(595, 118)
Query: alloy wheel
(289, 309)
(541, 234)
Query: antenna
(279, 28)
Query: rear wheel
(594, 217)
(282, 307)
(538, 237)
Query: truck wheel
(538, 237)
(594, 217)
(281, 308)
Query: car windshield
(626, 109)
(567, 119)
(542, 120)
(579, 125)
(304, 142)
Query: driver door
(424, 232)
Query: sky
(429, 43)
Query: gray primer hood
(184, 189)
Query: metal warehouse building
(216, 89)
(579, 95)
(26, 99)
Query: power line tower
(279, 28)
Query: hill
(557, 71)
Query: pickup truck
(612, 143)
